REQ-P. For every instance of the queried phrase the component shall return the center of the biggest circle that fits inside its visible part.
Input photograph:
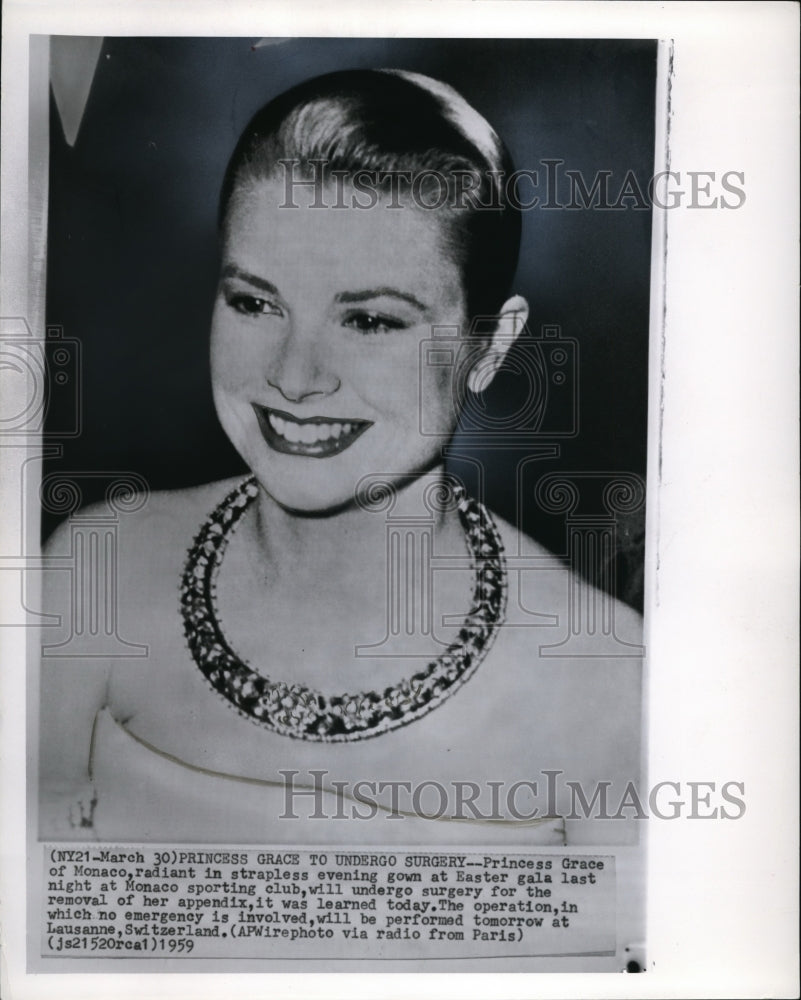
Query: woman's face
(318, 373)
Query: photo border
(743, 939)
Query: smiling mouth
(315, 437)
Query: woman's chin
(304, 500)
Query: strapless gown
(141, 794)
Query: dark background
(132, 247)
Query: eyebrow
(365, 295)
(379, 293)
(232, 271)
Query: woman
(362, 216)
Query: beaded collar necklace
(301, 712)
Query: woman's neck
(350, 548)
(359, 591)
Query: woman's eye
(252, 305)
(373, 323)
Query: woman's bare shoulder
(564, 636)
(517, 543)
(179, 511)
(117, 562)
(146, 522)
(542, 583)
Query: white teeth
(307, 433)
(292, 432)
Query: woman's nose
(300, 368)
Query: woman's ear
(511, 322)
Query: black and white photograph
(345, 353)
(341, 471)
(393, 353)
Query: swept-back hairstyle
(392, 123)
